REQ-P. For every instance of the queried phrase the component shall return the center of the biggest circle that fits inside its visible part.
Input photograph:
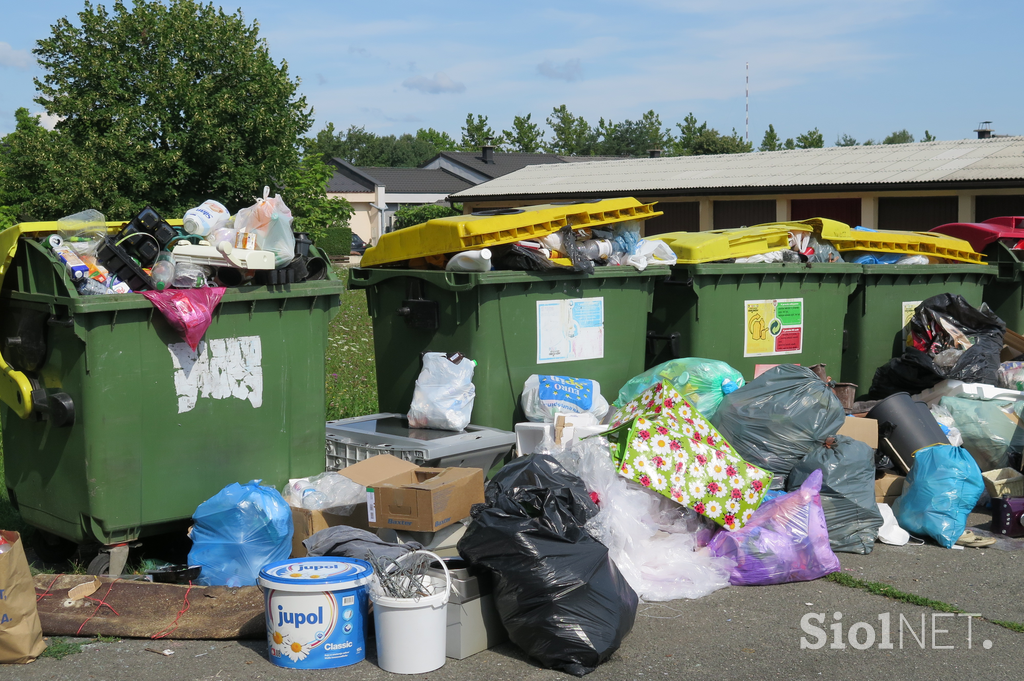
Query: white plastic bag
(545, 396)
(271, 221)
(326, 491)
(444, 394)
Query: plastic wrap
(326, 491)
(779, 418)
(559, 595)
(946, 421)
(990, 429)
(544, 396)
(703, 382)
(941, 489)
(847, 492)
(444, 393)
(239, 530)
(271, 221)
(1010, 375)
(786, 540)
(188, 311)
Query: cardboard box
(888, 488)
(862, 429)
(1013, 346)
(426, 499)
(367, 473)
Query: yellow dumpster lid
(502, 226)
(720, 244)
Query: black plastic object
(316, 269)
(559, 595)
(135, 237)
(176, 574)
(302, 244)
(580, 262)
(516, 257)
(904, 427)
(847, 492)
(119, 263)
(943, 323)
(779, 418)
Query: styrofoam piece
(444, 542)
(530, 435)
(242, 258)
(973, 391)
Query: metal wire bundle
(405, 579)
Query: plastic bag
(516, 257)
(239, 530)
(444, 393)
(559, 595)
(326, 491)
(942, 488)
(645, 252)
(189, 311)
(271, 221)
(779, 418)
(703, 382)
(847, 492)
(990, 429)
(1010, 375)
(948, 425)
(786, 540)
(545, 396)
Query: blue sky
(860, 67)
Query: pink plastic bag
(189, 310)
(786, 540)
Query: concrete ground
(735, 633)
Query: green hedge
(407, 217)
(338, 241)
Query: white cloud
(439, 84)
(18, 59)
(569, 71)
(46, 120)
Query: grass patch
(351, 378)
(60, 648)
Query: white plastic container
(411, 633)
(470, 261)
(205, 218)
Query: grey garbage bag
(991, 429)
(779, 418)
(847, 492)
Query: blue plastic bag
(239, 530)
(943, 486)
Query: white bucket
(411, 632)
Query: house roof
(989, 162)
(348, 179)
(417, 180)
(504, 163)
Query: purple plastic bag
(786, 540)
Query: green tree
(525, 136)
(571, 135)
(928, 137)
(899, 137)
(304, 188)
(165, 104)
(362, 148)
(770, 141)
(477, 133)
(869, 142)
(789, 144)
(30, 164)
(700, 140)
(812, 139)
(632, 138)
(846, 141)
(441, 141)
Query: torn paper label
(218, 369)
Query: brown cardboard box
(1013, 346)
(367, 473)
(888, 488)
(862, 429)
(426, 499)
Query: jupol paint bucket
(316, 611)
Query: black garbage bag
(941, 330)
(779, 418)
(559, 595)
(847, 492)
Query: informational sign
(773, 327)
(570, 330)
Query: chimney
(654, 153)
(488, 152)
(984, 130)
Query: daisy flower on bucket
(658, 482)
(717, 470)
(297, 651)
(677, 479)
(751, 496)
(736, 481)
(695, 489)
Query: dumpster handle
(15, 388)
(673, 339)
(66, 323)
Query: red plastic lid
(981, 234)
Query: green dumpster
(513, 324)
(747, 314)
(884, 302)
(1005, 293)
(113, 428)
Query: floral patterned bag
(665, 444)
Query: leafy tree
(771, 141)
(525, 136)
(846, 141)
(441, 141)
(166, 104)
(304, 189)
(632, 138)
(327, 143)
(899, 137)
(869, 142)
(789, 144)
(928, 137)
(476, 133)
(30, 164)
(362, 148)
(407, 216)
(571, 135)
(700, 140)
(812, 139)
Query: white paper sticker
(218, 369)
(371, 506)
(570, 330)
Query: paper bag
(21, 635)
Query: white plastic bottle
(205, 218)
(597, 249)
(470, 261)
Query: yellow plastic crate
(503, 226)
(697, 247)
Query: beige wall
(365, 219)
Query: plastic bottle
(205, 218)
(597, 249)
(163, 271)
(91, 287)
(223, 239)
(470, 261)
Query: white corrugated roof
(1000, 158)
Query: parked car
(358, 245)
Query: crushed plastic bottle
(162, 273)
(91, 287)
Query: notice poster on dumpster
(570, 330)
(773, 327)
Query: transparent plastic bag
(703, 382)
(786, 540)
(444, 393)
(1010, 375)
(990, 429)
(271, 221)
(239, 530)
(328, 491)
(948, 425)
(544, 396)
(188, 311)
(83, 232)
(941, 489)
